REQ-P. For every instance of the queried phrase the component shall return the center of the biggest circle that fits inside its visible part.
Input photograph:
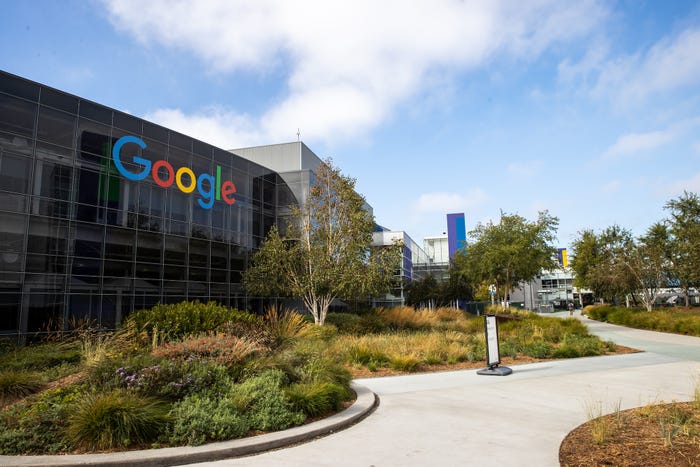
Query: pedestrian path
(461, 418)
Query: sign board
(493, 356)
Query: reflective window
(17, 116)
(95, 112)
(59, 100)
(56, 127)
(14, 173)
(53, 180)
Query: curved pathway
(461, 418)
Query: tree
(614, 265)
(428, 292)
(507, 253)
(326, 251)
(649, 262)
(684, 227)
(600, 262)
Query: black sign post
(493, 356)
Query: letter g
(139, 160)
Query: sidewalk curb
(364, 405)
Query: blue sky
(589, 109)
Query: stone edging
(365, 404)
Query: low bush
(221, 349)
(16, 384)
(347, 323)
(573, 346)
(170, 379)
(37, 425)
(678, 321)
(176, 321)
(42, 356)
(405, 317)
(317, 398)
(538, 349)
(284, 326)
(174, 379)
(263, 401)
(116, 419)
(319, 368)
(201, 418)
(364, 354)
(409, 363)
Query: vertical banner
(493, 355)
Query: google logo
(209, 187)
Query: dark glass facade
(79, 240)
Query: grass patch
(675, 320)
(16, 384)
(116, 419)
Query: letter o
(178, 180)
(156, 178)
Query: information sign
(493, 355)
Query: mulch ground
(660, 435)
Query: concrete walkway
(461, 418)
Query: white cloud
(442, 202)
(214, 125)
(635, 143)
(350, 64)
(629, 80)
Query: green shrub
(284, 326)
(346, 323)
(221, 349)
(317, 398)
(323, 369)
(665, 320)
(175, 321)
(201, 418)
(370, 323)
(173, 379)
(363, 354)
(40, 357)
(16, 384)
(509, 348)
(408, 363)
(37, 426)
(116, 419)
(573, 346)
(264, 403)
(538, 349)
(599, 313)
(406, 318)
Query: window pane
(14, 173)
(17, 116)
(56, 127)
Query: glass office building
(102, 213)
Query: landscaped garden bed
(676, 320)
(193, 373)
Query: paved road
(461, 418)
